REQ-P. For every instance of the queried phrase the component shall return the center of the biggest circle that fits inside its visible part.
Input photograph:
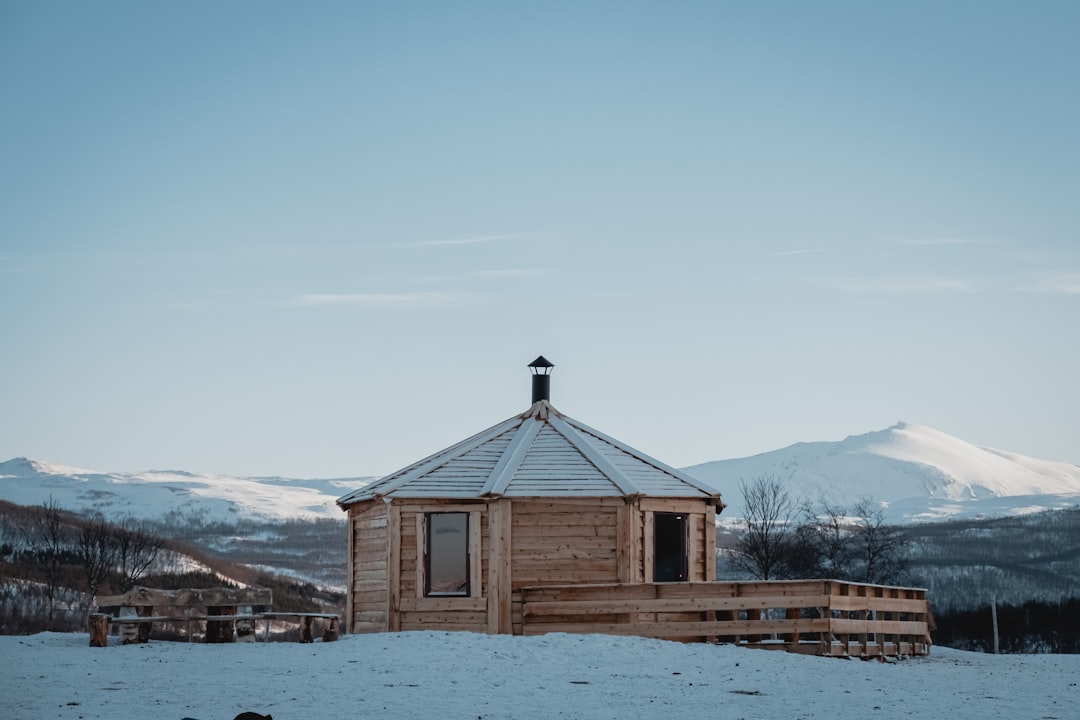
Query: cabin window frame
(684, 542)
(430, 538)
(477, 583)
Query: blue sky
(325, 239)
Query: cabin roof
(539, 453)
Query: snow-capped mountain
(916, 472)
(157, 493)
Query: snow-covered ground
(465, 676)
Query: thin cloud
(404, 300)
(914, 285)
(464, 241)
(1060, 284)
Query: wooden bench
(230, 614)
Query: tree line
(1032, 627)
(1017, 559)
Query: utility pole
(993, 614)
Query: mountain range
(915, 472)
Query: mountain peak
(906, 465)
(26, 466)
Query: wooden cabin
(540, 499)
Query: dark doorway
(669, 547)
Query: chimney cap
(541, 379)
(541, 366)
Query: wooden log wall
(564, 540)
(368, 565)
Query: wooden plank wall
(564, 540)
(369, 565)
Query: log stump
(220, 631)
(99, 630)
(330, 632)
(144, 628)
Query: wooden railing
(823, 617)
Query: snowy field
(465, 676)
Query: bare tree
(880, 550)
(48, 536)
(98, 545)
(764, 547)
(822, 543)
(136, 551)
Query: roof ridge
(512, 457)
(389, 483)
(594, 456)
(648, 459)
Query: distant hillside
(966, 564)
(921, 474)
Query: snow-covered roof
(540, 453)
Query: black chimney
(541, 379)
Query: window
(447, 554)
(669, 548)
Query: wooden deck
(821, 617)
